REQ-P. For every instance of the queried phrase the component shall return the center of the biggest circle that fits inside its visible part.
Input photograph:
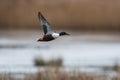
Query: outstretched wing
(45, 24)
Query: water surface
(19, 49)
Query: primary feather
(46, 26)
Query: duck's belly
(48, 38)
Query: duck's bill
(67, 34)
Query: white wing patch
(55, 35)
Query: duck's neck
(55, 35)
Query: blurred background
(77, 14)
(93, 46)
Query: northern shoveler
(48, 33)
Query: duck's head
(63, 33)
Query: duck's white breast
(55, 35)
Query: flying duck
(49, 35)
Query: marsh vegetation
(62, 14)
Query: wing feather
(46, 26)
